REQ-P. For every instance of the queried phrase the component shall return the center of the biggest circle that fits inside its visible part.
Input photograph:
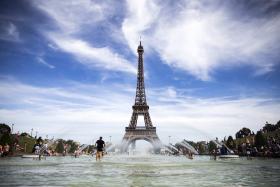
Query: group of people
(4, 150)
(270, 149)
(42, 149)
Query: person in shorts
(100, 144)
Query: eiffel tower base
(134, 134)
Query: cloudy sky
(68, 68)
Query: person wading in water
(100, 144)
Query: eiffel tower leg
(133, 120)
(147, 119)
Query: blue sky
(68, 68)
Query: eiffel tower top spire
(140, 48)
(140, 98)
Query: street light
(12, 128)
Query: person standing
(100, 144)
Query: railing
(140, 131)
(140, 128)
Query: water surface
(142, 170)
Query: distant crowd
(270, 149)
(265, 143)
(4, 150)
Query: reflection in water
(139, 170)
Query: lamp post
(12, 128)
(169, 139)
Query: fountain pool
(139, 170)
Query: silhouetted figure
(100, 144)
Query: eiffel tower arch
(140, 108)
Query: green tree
(212, 146)
(243, 132)
(59, 147)
(260, 139)
(201, 148)
(269, 127)
(4, 129)
(24, 134)
(278, 124)
(73, 146)
(230, 143)
(6, 139)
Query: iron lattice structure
(140, 107)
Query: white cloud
(200, 38)
(74, 19)
(72, 16)
(93, 57)
(84, 112)
(142, 14)
(40, 60)
(10, 32)
(190, 35)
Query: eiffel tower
(140, 107)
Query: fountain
(110, 147)
(172, 148)
(188, 146)
(228, 152)
(82, 147)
